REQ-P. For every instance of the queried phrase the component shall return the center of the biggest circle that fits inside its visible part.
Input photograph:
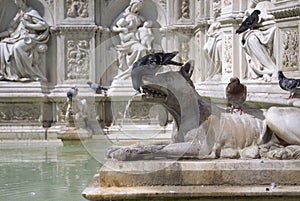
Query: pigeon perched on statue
(250, 22)
(288, 84)
(149, 65)
(71, 93)
(97, 87)
(236, 94)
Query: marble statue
(22, 44)
(206, 131)
(258, 43)
(213, 46)
(135, 37)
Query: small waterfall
(125, 112)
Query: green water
(51, 173)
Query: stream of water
(49, 173)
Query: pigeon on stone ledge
(149, 65)
(249, 23)
(236, 94)
(71, 93)
(288, 84)
(96, 87)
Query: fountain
(196, 162)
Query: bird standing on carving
(250, 22)
(149, 65)
(236, 94)
(288, 84)
(71, 93)
(96, 87)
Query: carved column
(233, 62)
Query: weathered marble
(284, 122)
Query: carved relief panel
(77, 59)
(290, 50)
(228, 52)
(20, 112)
(181, 11)
(75, 11)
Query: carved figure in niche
(131, 48)
(22, 45)
(145, 35)
(258, 43)
(213, 46)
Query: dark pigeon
(250, 22)
(236, 94)
(149, 65)
(97, 87)
(71, 93)
(288, 84)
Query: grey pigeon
(71, 93)
(288, 84)
(96, 87)
(236, 94)
(250, 22)
(149, 65)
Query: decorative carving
(131, 28)
(163, 4)
(258, 43)
(184, 51)
(77, 8)
(77, 59)
(185, 9)
(19, 112)
(290, 49)
(227, 2)
(23, 46)
(213, 45)
(228, 53)
(279, 13)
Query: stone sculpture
(135, 37)
(258, 43)
(205, 130)
(22, 44)
(213, 46)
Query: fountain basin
(195, 179)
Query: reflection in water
(45, 173)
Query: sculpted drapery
(22, 44)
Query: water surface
(45, 173)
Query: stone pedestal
(195, 179)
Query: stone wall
(82, 47)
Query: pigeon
(149, 65)
(249, 23)
(236, 94)
(288, 84)
(96, 87)
(71, 93)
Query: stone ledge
(210, 192)
(197, 173)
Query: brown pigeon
(236, 94)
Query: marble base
(163, 180)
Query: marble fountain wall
(83, 47)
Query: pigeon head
(235, 80)
(256, 12)
(280, 74)
(89, 83)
